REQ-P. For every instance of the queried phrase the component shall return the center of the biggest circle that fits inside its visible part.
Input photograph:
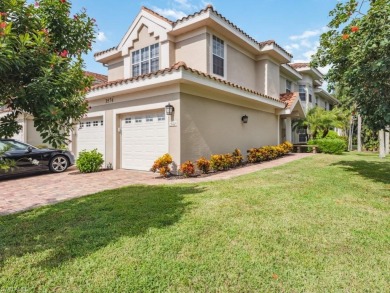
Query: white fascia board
(277, 50)
(187, 22)
(326, 95)
(134, 85)
(206, 81)
(292, 71)
(105, 55)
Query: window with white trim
(101, 123)
(302, 93)
(95, 123)
(81, 124)
(149, 118)
(288, 86)
(218, 56)
(88, 124)
(146, 60)
(161, 117)
(138, 119)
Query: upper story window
(145, 60)
(302, 93)
(310, 98)
(218, 56)
(326, 106)
(288, 86)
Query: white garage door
(144, 139)
(19, 136)
(90, 135)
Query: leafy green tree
(41, 68)
(357, 46)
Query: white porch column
(288, 129)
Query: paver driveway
(29, 192)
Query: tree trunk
(359, 134)
(382, 153)
(387, 140)
(350, 135)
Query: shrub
(219, 162)
(238, 158)
(89, 161)
(203, 165)
(42, 146)
(330, 145)
(162, 165)
(287, 146)
(187, 168)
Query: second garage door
(90, 135)
(144, 139)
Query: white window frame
(143, 60)
(302, 92)
(224, 76)
(288, 86)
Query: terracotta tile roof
(211, 8)
(176, 67)
(289, 98)
(105, 51)
(156, 14)
(299, 65)
(98, 78)
(272, 42)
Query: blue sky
(294, 24)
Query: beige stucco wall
(240, 68)
(136, 103)
(115, 70)
(33, 136)
(261, 67)
(144, 39)
(213, 127)
(193, 51)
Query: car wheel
(58, 164)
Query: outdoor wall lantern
(244, 119)
(169, 109)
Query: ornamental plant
(162, 165)
(238, 158)
(219, 162)
(203, 165)
(187, 168)
(41, 66)
(89, 161)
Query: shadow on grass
(376, 171)
(80, 227)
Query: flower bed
(220, 162)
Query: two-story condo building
(193, 87)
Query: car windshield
(13, 145)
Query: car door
(26, 158)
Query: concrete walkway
(25, 193)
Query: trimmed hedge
(330, 145)
(89, 161)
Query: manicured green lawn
(321, 224)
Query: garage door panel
(91, 135)
(144, 138)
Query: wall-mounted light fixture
(244, 119)
(169, 109)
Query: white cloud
(170, 13)
(309, 34)
(101, 37)
(184, 4)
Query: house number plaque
(109, 100)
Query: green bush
(89, 161)
(329, 145)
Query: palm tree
(318, 121)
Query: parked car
(29, 159)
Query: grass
(320, 224)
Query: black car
(29, 159)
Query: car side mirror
(29, 149)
